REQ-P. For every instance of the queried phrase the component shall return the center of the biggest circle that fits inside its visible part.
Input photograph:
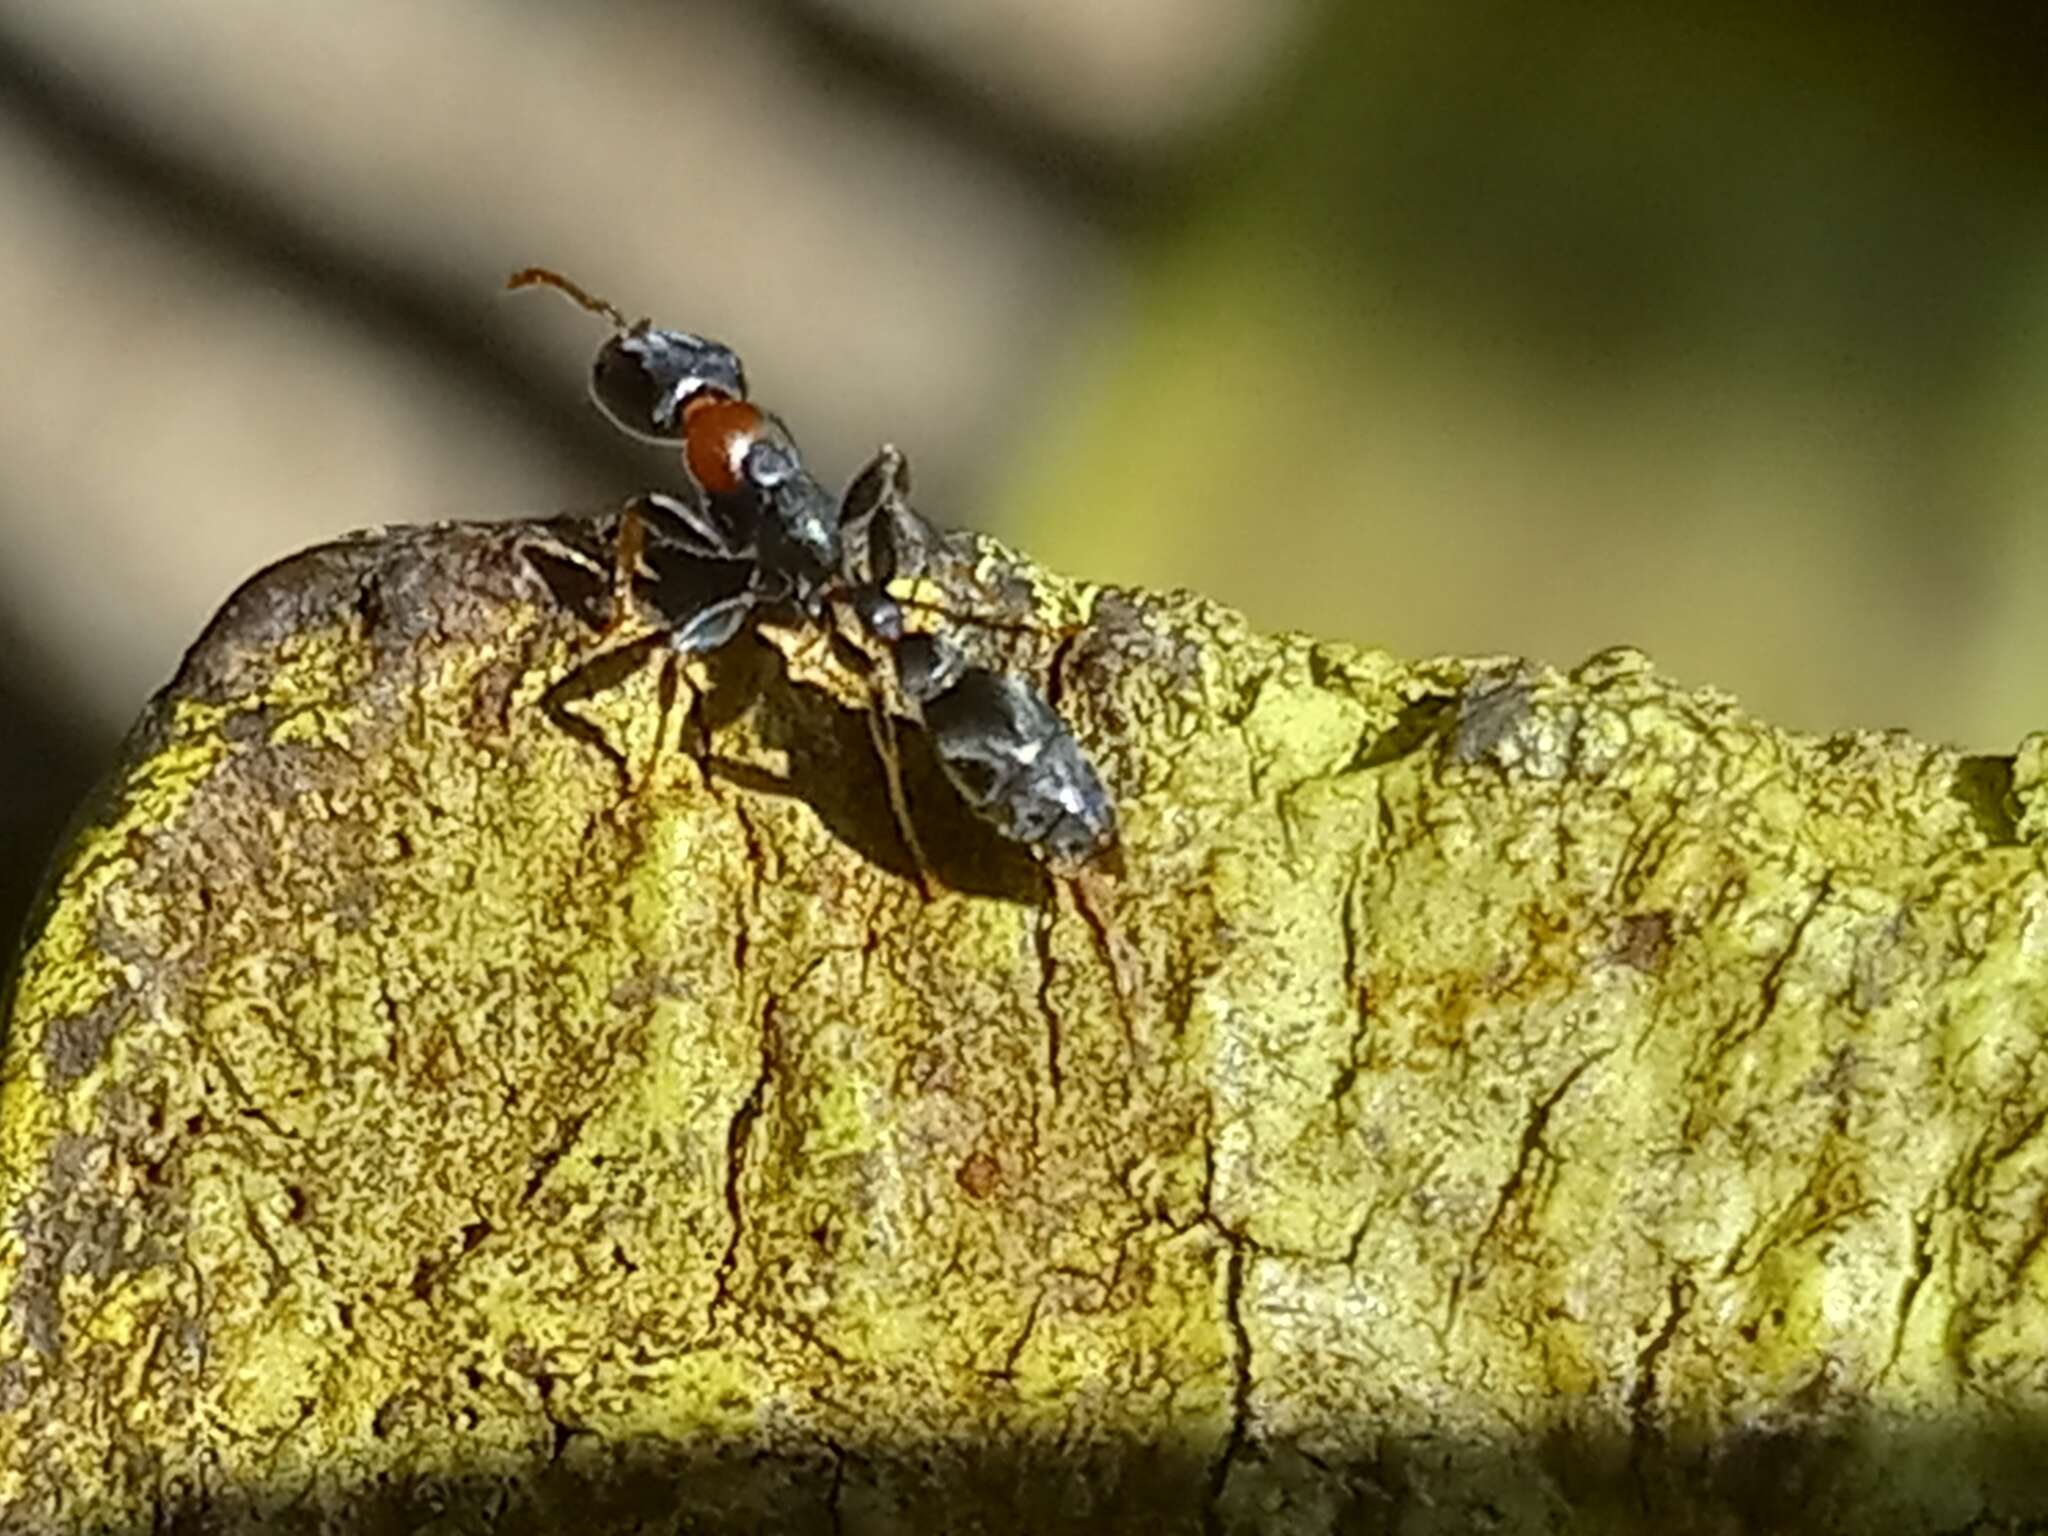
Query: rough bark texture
(1485, 1099)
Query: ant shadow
(834, 764)
(836, 768)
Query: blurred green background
(1721, 330)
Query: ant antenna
(544, 277)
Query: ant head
(643, 377)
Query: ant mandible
(782, 544)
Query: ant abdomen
(1012, 758)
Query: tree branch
(455, 1074)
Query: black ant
(761, 537)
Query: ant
(760, 537)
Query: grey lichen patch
(1490, 713)
(76, 1043)
(78, 1224)
(1484, 1097)
(1643, 940)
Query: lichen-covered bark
(457, 1085)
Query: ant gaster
(762, 535)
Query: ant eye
(643, 377)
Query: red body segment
(717, 431)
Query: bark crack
(1361, 1001)
(1733, 1034)
(1042, 937)
(1470, 1275)
(546, 1162)
(738, 1135)
(1241, 1385)
(1007, 1371)
(1909, 1289)
(1642, 1397)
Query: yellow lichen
(1480, 1094)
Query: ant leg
(676, 527)
(673, 524)
(712, 626)
(709, 630)
(682, 523)
(882, 731)
(1090, 890)
(884, 481)
(665, 691)
(627, 551)
(869, 514)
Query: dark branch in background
(48, 756)
(457, 334)
(1111, 187)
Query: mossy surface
(442, 1096)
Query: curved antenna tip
(547, 277)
